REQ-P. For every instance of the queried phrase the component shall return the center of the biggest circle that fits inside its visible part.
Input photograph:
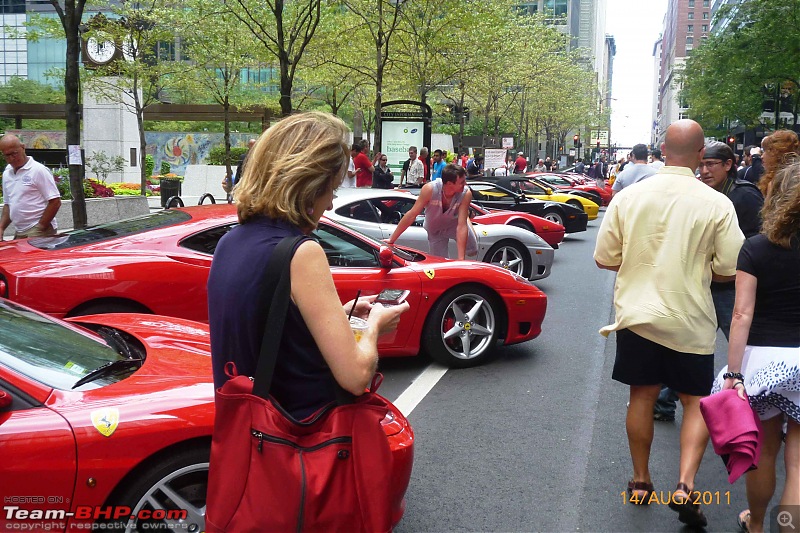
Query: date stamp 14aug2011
(704, 497)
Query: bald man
(30, 197)
(667, 238)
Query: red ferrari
(551, 232)
(159, 263)
(109, 418)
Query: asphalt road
(535, 440)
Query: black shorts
(643, 362)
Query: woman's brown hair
(292, 164)
(783, 145)
(781, 211)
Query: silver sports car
(376, 212)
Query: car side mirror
(548, 190)
(386, 257)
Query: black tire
(553, 215)
(185, 475)
(101, 308)
(480, 331)
(511, 255)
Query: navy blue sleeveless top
(237, 312)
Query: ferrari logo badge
(106, 420)
(485, 233)
(430, 273)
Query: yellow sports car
(533, 188)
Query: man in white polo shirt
(667, 238)
(30, 196)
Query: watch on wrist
(733, 375)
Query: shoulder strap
(277, 274)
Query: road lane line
(419, 388)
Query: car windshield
(112, 230)
(51, 353)
(344, 250)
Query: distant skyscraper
(686, 23)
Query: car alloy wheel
(462, 328)
(509, 255)
(553, 216)
(175, 484)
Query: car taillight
(3, 287)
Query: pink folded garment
(735, 431)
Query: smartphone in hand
(389, 297)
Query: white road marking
(419, 388)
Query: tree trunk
(226, 105)
(286, 87)
(70, 20)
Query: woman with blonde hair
(778, 148)
(764, 344)
(290, 179)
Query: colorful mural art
(182, 149)
(177, 149)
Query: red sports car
(109, 419)
(566, 181)
(551, 232)
(159, 263)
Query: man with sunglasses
(667, 238)
(634, 173)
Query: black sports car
(494, 196)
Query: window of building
(689, 48)
(12, 6)
(690, 28)
(691, 3)
(705, 27)
(691, 16)
(690, 40)
(705, 3)
(556, 7)
(705, 15)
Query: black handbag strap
(277, 273)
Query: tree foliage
(728, 77)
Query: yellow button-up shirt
(667, 233)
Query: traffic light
(575, 140)
(731, 140)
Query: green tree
(754, 58)
(284, 28)
(218, 55)
(146, 70)
(70, 13)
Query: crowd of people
(699, 243)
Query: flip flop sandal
(744, 520)
(689, 512)
(642, 489)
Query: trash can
(169, 188)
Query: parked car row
(106, 404)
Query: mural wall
(177, 149)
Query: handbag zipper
(302, 449)
(277, 440)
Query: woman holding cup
(292, 173)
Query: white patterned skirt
(771, 380)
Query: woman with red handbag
(292, 173)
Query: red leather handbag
(269, 472)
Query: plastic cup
(359, 326)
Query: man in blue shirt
(437, 165)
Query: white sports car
(376, 212)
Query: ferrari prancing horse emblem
(430, 273)
(106, 420)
